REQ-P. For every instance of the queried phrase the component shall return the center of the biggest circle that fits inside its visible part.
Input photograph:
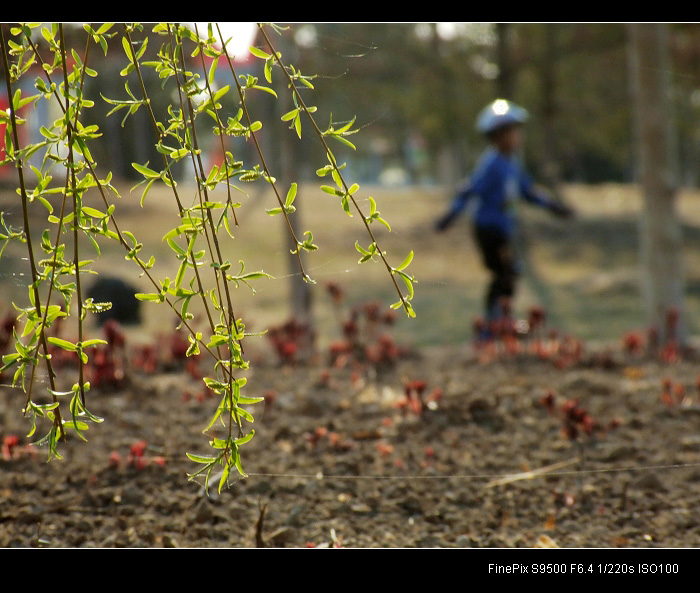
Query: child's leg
(499, 258)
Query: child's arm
(533, 196)
(483, 179)
(459, 203)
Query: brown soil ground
(379, 475)
(382, 477)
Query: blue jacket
(498, 181)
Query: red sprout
(415, 387)
(350, 329)
(633, 342)
(192, 368)
(614, 424)
(9, 443)
(679, 392)
(390, 317)
(371, 311)
(336, 292)
(672, 318)
(146, 358)
(434, 396)
(536, 318)
(115, 460)
(385, 450)
(270, 396)
(314, 437)
(138, 449)
(179, 345)
(548, 401)
(114, 335)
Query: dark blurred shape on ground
(125, 306)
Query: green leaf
(224, 476)
(384, 222)
(94, 212)
(245, 401)
(345, 141)
(333, 191)
(127, 48)
(145, 171)
(217, 340)
(94, 342)
(405, 262)
(201, 458)
(408, 280)
(65, 344)
(76, 425)
(290, 115)
(149, 297)
(258, 53)
(246, 414)
(291, 194)
(245, 439)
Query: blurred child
(498, 181)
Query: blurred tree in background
(661, 236)
(423, 85)
(416, 88)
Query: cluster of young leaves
(342, 190)
(186, 62)
(64, 146)
(202, 272)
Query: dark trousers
(499, 257)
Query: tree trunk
(548, 85)
(505, 82)
(300, 297)
(660, 233)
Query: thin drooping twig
(171, 181)
(69, 95)
(119, 235)
(231, 321)
(197, 161)
(332, 160)
(76, 210)
(208, 228)
(221, 136)
(27, 233)
(249, 120)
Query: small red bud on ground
(140, 463)
(138, 449)
(549, 401)
(385, 449)
(115, 460)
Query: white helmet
(498, 114)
